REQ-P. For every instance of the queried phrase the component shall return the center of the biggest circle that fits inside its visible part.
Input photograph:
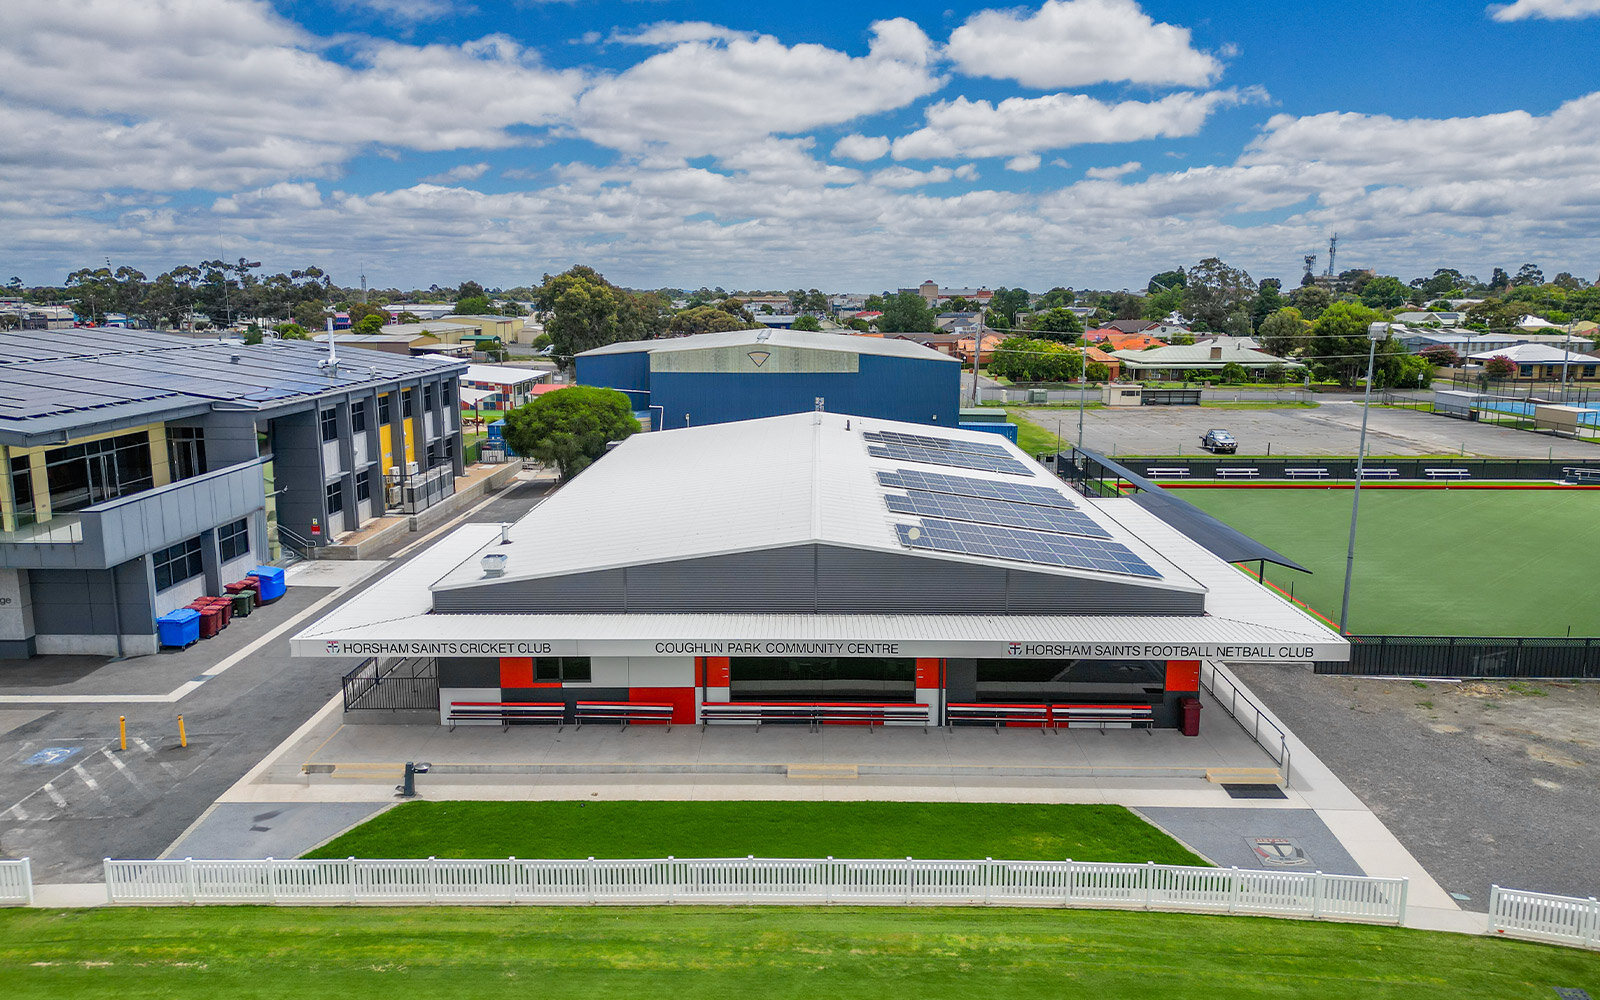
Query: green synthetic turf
(705, 953)
(1433, 562)
(934, 830)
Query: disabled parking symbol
(52, 755)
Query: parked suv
(1218, 441)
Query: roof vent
(764, 334)
(494, 564)
(505, 532)
(236, 359)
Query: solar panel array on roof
(924, 441)
(47, 381)
(987, 511)
(1021, 545)
(939, 456)
(966, 486)
(942, 451)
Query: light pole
(1375, 333)
(1083, 387)
(1566, 357)
(977, 351)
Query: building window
(407, 401)
(22, 489)
(177, 563)
(358, 417)
(385, 414)
(363, 488)
(234, 540)
(84, 474)
(186, 451)
(447, 394)
(561, 668)
(330, 425)
(427, 398)
(335, 498)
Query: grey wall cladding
(825, 579)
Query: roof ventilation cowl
(494, 564)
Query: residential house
(1545, 363)
(1171, 363)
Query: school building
(139, 471)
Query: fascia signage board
(1243, 652)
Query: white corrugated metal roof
(1538, 354)
(1239, 613)
(750, 485)
(505, 374)
(777, 338)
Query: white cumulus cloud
(1020, 125)
(1550, 10)
(1076, 43)
(1023, 164)
(1112, 173)
(699, 97)
(456, 174)
(677, 32)
(861, 147)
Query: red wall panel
(680, 698)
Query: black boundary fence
(1344, 467)
(392, 685)
(1470, 657)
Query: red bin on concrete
(1190, 721)
(225, 605)
(210, 617)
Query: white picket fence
(16, 883)
(762, 880)
(1543, 917)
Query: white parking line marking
(94, 786)
(122, 769)
(143, 745)
(20, 813)
(55, 796)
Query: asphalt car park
(1331, 428)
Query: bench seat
(507, 712)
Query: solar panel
(986, 511)
(924, 441)
(941, 456)
(1021, 545)
(966, 486)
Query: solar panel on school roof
(987, 511)
(966, 486)
(1021, 545)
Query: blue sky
(848, 146)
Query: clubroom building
(823, 567)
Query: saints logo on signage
(759, 357)
(1280, 852)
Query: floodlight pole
(1566, 358)
(1374, 333)
(977, 351)
(1083, 387)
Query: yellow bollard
(122, 727)
(183, 737)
